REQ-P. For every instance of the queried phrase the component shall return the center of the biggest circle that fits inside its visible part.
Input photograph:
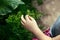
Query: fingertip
(26, 17)
(21, 16)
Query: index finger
(22, 18)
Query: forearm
(56, 38)
(40, 35)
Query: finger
(22, 18)
(31, 18)
(26, 17)
(22, 23)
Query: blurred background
(45, 12)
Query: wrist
(36, 30)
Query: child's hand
(32, 26)
(29, 23)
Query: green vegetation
(10, 13)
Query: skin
(30, 24)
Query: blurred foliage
(10, 13)
(7, 6)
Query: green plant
(10, 13)
(6, 6)
(17, 29)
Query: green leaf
(13, 3)
(6, 5)
(4, 10)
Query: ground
(51, 8)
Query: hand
(29, 23)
